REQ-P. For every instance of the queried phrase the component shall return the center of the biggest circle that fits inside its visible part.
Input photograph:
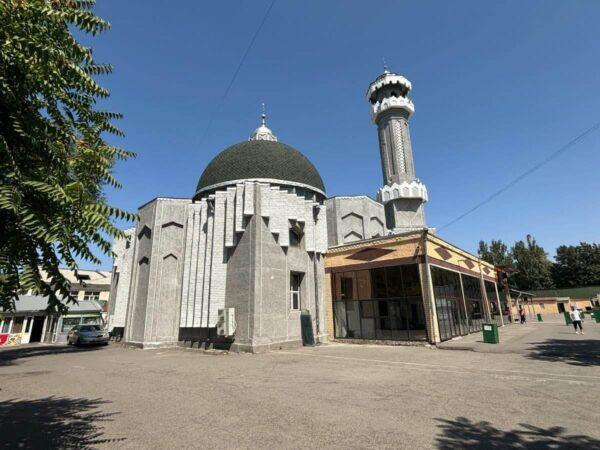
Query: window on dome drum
(295, 290)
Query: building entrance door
(36, 329)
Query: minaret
(402, 193)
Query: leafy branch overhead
(54, 160)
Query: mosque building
(259, 258)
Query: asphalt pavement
(330, 396)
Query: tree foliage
(54, 161)
(533, 268)
(577, 265)
(496, 253)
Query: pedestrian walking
(576, 318)
(522, 314)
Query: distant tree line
(574, 266)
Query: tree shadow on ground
(461, 433)
(584, 352)
(54, 422)
(10, 355)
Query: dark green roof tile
(260, 159)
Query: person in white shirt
(576, 318)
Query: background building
(88, 285)
(31, 322)
(557, 301)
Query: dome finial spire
(263, 133)
(385, 67)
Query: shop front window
(474, 302)
(373, 304)
(18, 324)
(449, 303)
(68, 323)
(490, 291)
(6, 325)
(91, 320)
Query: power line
(529, 171)
(236, 72)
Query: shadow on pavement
(461, 433)
(8, 356)
(53, 423)
(585, 352)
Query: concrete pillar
(499, 305)
(464, 302)
(43, 338)
(431, 321)
(486, 306)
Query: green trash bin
(568, 320)
(539, 317)
(597, 315)
(490, 333)
(308, 337)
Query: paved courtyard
(542, 393)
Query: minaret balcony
(405, 189)
(391, 103)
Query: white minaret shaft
(402, 193)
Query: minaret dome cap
(263, 133)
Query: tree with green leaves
(533, 268)
(495, 253)
(54, 160)
(577, 265)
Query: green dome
(260, 160)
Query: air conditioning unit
(226, 322)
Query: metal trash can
(539, 317)
(568, 320)
(596, 315)
(490, 333)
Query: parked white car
(87, 334)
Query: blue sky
(497, 87)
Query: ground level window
(295, 284)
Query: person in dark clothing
(522, 314)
